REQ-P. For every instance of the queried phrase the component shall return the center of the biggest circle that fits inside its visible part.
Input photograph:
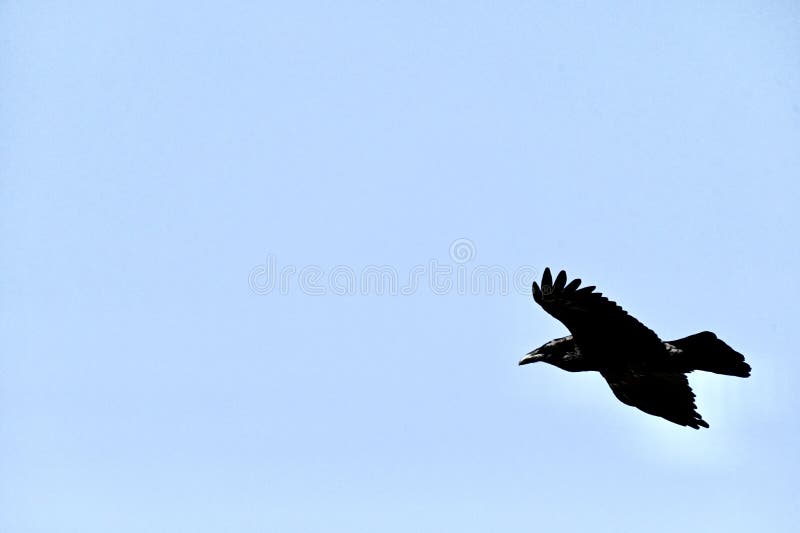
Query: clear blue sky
(154, 157)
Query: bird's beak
(530, 357)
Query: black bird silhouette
(642, 370)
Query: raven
(642, 370)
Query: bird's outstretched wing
(595, 321)
(666, 395)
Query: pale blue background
(153, 154)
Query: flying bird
(642, 370)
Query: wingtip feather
(547, 278)
(561, 280)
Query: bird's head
(556, 352)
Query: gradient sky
(154, 157)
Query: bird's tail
(704, 351)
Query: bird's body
(642, 370)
